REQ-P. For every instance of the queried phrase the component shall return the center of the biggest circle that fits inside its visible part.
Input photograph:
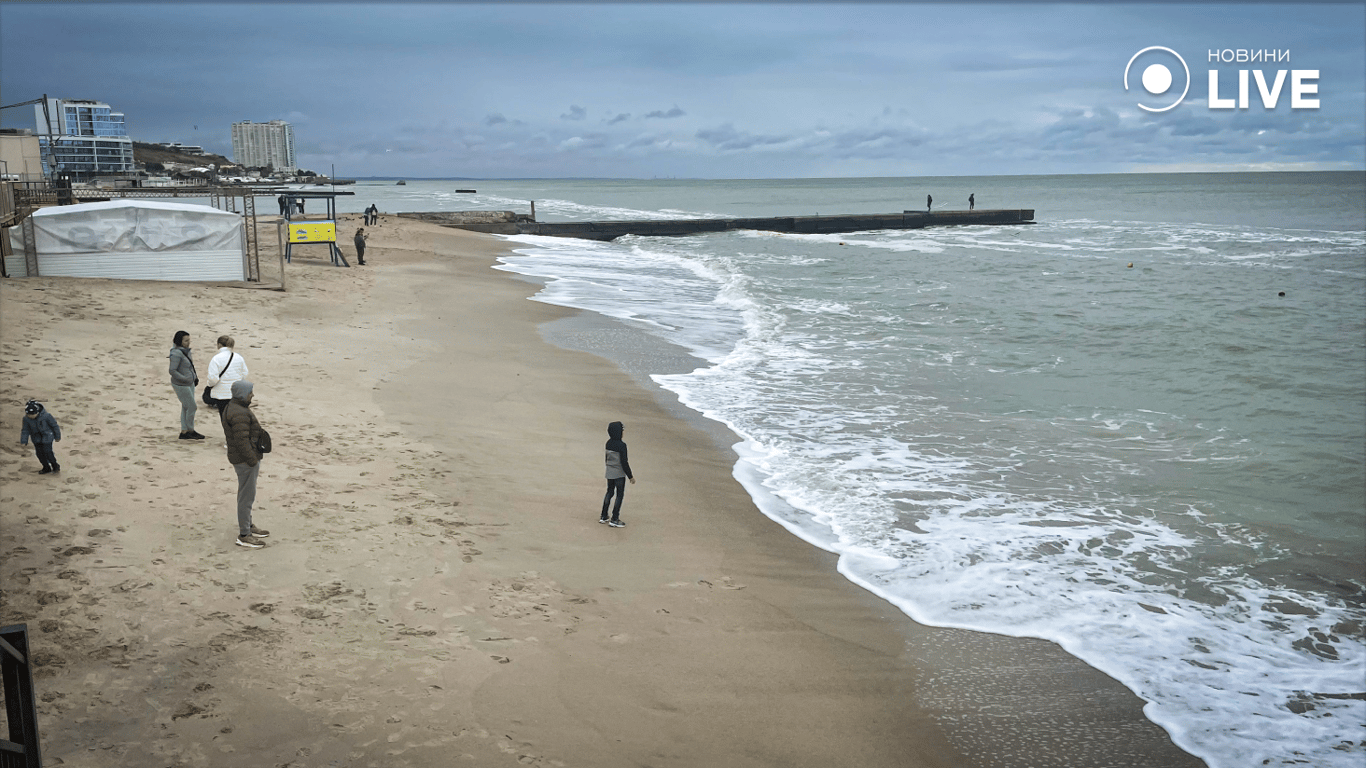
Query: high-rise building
(257, 145)
(86, 138)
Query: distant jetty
(511, 223)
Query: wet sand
(436, 590)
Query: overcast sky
(712, 90)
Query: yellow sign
(313, 232)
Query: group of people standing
(231, 394)
(288, 203)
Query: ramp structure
(21, 749)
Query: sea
(1136, 427)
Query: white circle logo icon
(1157, 77)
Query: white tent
(134, 240)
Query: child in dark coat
(41, 425)
(618, 472)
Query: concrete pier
(507, 223)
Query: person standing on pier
(972, 201)
(929, 203)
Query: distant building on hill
(177, 147)
(87, 138)
(257, 145)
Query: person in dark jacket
(359, 240)
(243, 433)
(618, 472)
(42, 427)
(183, 381)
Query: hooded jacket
(242, 431)
(44, 428)
(617, 465)
(182, 368)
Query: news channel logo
(1158, 77)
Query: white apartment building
(257, 145)
(87, 138)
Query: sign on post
(312, 232)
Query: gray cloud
(674, 112)
(808, 89)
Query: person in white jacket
(226, 367)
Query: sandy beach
(436, 590)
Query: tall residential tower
(257, 145)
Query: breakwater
(510, 223)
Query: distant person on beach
(230, 367)
(301, 205)
(183, 381)
(929, 203)
(245, 443)
(618, 472)
(283, 204)
(359, 240)
(42, 427)
(972, 201)
(371, 215)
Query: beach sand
(436, 590)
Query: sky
(710, 89)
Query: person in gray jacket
(243, 433)
(42, 427)
(618, 472)
(183, 380)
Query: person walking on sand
(183, 381)
(283, 203)
(972, 201)
(230, 367)
(929, 203)
(42, 427)
(618, 472)
(359, 240)
(245, 438)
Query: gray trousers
(246, 495)
(187, 407)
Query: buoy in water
(1131, 265)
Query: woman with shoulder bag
(183, 381)
(226, 367)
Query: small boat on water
(400, 183)
(466, 190)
